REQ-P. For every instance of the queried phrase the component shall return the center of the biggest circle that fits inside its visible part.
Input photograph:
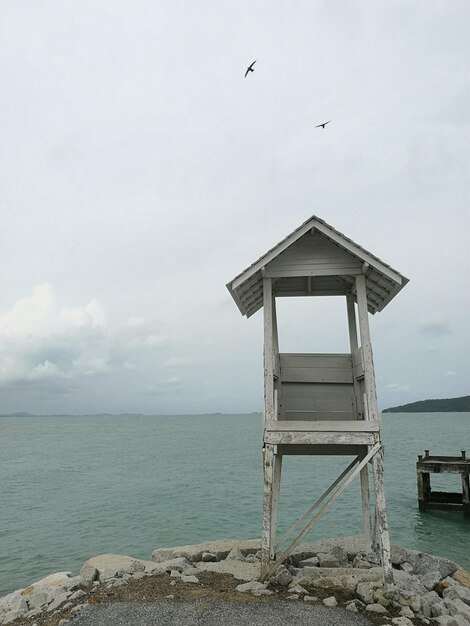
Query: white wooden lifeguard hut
(320, 404)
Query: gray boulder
(421, 562)
(220, 548)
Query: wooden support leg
(427, 485)
(275, 502)
(268, 461)
(421, 492)
(381, 515)
(366, 509)
(466, 494)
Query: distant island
(442, 405)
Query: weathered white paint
(268, 351)
(323, 510)
(268, 465)
(311, 438)
(346, 426)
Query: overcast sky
(140, 172)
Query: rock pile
(426, 589)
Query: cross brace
(341, 483)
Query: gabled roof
(347, 259)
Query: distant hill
(443, 405)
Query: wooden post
(365, 493)
(421, 494)
(268, 350)
(268, 458)
(381, 515)
(275, 502)
(369, 375)
(269, 414)
(373, 414)
(466, 494)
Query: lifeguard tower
(320, 404)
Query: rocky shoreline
(334, 572)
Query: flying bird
(323, 125)
(250, 69)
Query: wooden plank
(329, 416)
(323, 397)
(317, 375)
(304, 359)
(321, 450)
(367, 426)
(320, 438)
(286, 273)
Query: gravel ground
(163, 600)
(216, 613)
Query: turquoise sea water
(74, 487)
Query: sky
(140, 172)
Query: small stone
(76, 609)
(406, 567)
(170, 597)
(298, 589)
(189, 579)
(445, 620)
(138, 575)
(430, 580)
(462, 577)
(427, 601)
(402, 621)
(457, 607)
(172, 582)
(407, 612)
(283, 577)
(457, 591)
(175, 573)
(252, 585)
(439, 609)
(376, 608)
(293, 596)
(355, 605)
(59, 599)
(77, 594)
(191, 571)
(328, 560)
(366, 590)
(311, 599)
(330, 601)
(311, 562)
(235, 554)
(209, 557)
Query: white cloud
(39, 341)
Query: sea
(72, 487)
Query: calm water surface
(74, 487)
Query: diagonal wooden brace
(321, 512)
